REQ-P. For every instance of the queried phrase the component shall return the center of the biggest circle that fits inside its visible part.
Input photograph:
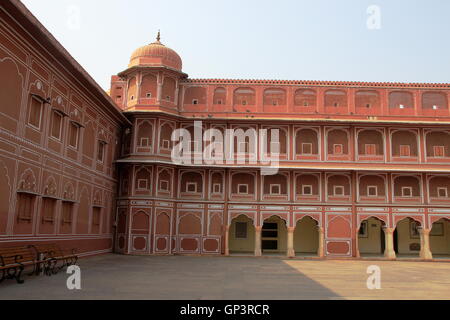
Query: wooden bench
(60, 258)
(14, 260)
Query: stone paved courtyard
(237, 278)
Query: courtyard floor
(236, 278)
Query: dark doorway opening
(269, 236)
(396, 241)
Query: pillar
(290, 242)
(159, 88)
(425, 252)
(258, 252)
(357, 254)
(159, 92)
(320, 250)
(389, 252)
(227, 240)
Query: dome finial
(158, 36)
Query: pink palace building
(364, 168)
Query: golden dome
(156, 54)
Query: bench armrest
(15, 256)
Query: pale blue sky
(259, 39)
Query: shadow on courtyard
(174, 277)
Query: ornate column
(320, 250)
(290, 242)
(357, 254)
(389, 252)
(354, 191)
(159, 88)
(227, 240)
(258, 252)
(425, 251)
(177, 93)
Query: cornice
(320, 83)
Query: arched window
(274, 97)
(191, 182)
(367, 99)
(144, 134)
(406, 187)
(305, 98)
(337, 142)
(165, 136)
(149, 86)
(220, 96)
(142, 180)
(372, 186)
(370, 143)
(306, 142)
(307, 185)
(338, 185)
(434, 100)
(243, 184)
(195, 95)
(282, 140)
(335, 98)
(168, 89)
(438, 144)
(132, 89)
(244, 97)
(11, 88)
(401, 100)
(404, 144)
(164, 181)
(439, 187)
(275, 185)
(216, 183)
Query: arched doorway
(371, 240)
(407, 238)
(274, 236)
(440, 239)
(242, 236)
(306, 237)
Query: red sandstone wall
(280, 99)
(169, 218)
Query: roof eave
(138, 67)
